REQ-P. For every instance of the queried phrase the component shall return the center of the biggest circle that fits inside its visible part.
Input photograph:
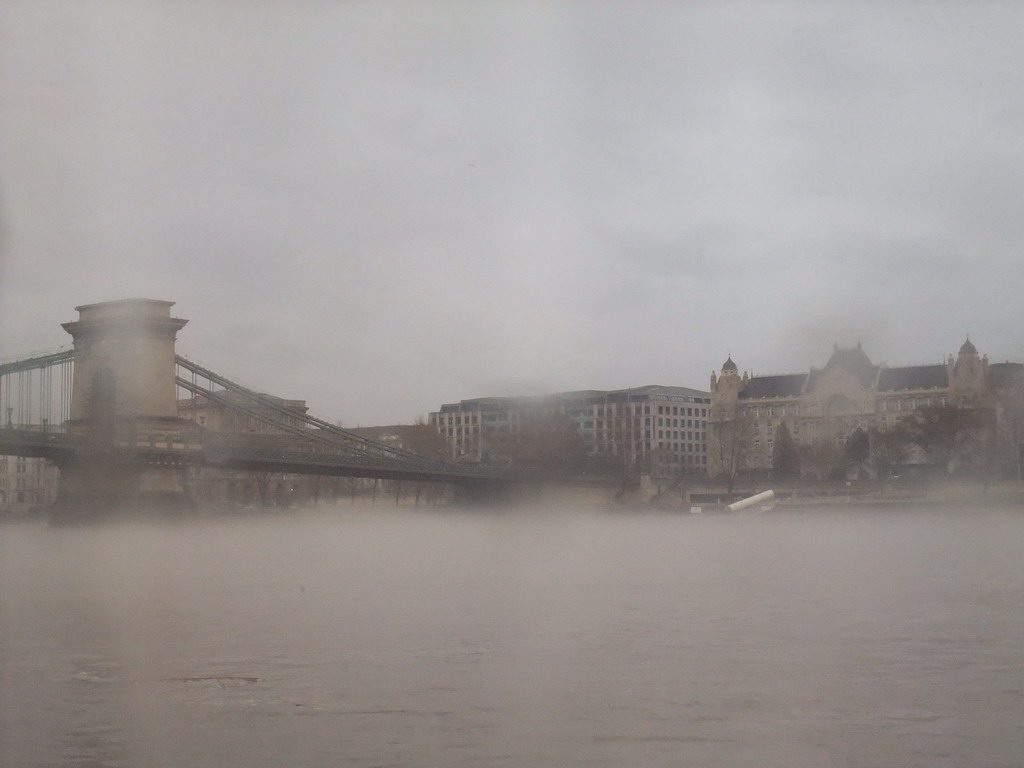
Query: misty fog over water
(536, 638)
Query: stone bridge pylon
(124, 395)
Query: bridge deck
(225, 454)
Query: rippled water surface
(534, 638)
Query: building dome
(729, 365)
(967, 348)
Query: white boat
(759, 502)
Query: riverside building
(849, 393)
(27, 484)
(656, 429)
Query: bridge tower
(123, 397)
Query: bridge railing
(46, 429)
(37, 359)
(296, 461)
(36, 443)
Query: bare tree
(951, 437)
(820, 458)
(547, 443)
(889, 449)
(1011, 407)
(785, 455)
(661, 463)
(624, 449)
(424, 439)
(729, 446)
(857, 451)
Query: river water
(540, 637)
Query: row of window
(458, 419)
(22, 482)
(785, 409)
(600, 425)
(847, 424)
(691, 461)
(885, 404)
(685, 447)
(676, 434)
(679, 410)
(912, 403)
(674, 458)
(679, 422)
(838, 441)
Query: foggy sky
(380, 207)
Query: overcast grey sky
(380, 207)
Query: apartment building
(656, 429)
(27, 484)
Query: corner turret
(968, 376)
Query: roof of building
(875, 377)
(786, 385)
(581, 397)
(1005, 375)
(664, 389)
(854, 361)
(729, 365)
(913, 377)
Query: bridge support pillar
(99, 484)
(124, 406)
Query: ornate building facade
(849, 393)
